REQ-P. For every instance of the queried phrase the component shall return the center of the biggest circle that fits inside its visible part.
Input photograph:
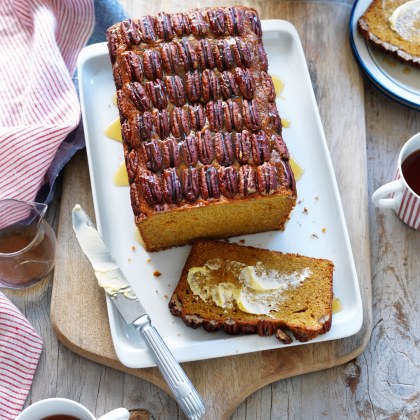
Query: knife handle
(183, 390)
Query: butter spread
(255, 289)
(405, 20)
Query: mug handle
(388, 203)
(117, 414)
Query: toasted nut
(152, 64)
(117, 76)
(243, 147)
(260, 148)
(191, 184)
(242, 53)
(216, 19)
(263, 58)
(172, 188)
(205, 54)
(189, 150)
(152, 155)
(180, 123)
(138, 96)
(255, 22)
(193, 86)
(211, 85)
(268, 86)
(142, 128)
(171, 59)
(205, 147)
(133, 66)
(156, 92)
(187, 54)
(180, 24)
(209, 182)
(147, 29)
(278, 144)
(175, 89)
(171, 155)
(224, 148)
(161, 123)
(235, 21)
(247, 180)
(199, 27)
(163, 26)
(251, 115)
(130, 32)
(228, 178)
(223, 55)
(266, 178)
(132, 164)
(197, 116)
(150, 187)
(232, 116)
(228, 85)
(214, 112)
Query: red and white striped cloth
(20, 348)
(40, 41)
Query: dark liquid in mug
(411, 171)
(61, 417)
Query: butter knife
(110, 276)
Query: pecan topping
(211, 85)
(180, 24)
(242, 146)
(209, 182)
(205, 147)
(235, 21)
(251, 115)
(191, 184)
(199, 27)
(189, 151)
(133, 66)
(205, 54)
(283, 337)
(126, 132)
(228, 85)
(232, 116)
(138, 96)
(135, 198)
(175, 89)
(216, 19)
(152, 64)
(263, 58)
(223, 55)
(153, 155)
(266, 178)
(260, 148)
(228, 178)
(268, 86)
(163, 26)
(245, 82)
(142, 127)
(130, 32)
(193, 85)
(224, 149)
(242, 53)
(156, 92)
(122, 103)
(214, 112)
(161, 123)
(132, 163)
(230, 326)
(265, 328)
(150, 187)
(172, 189)
(288, 175)
(247, 180)
(180, 124)
(197, 116)
(255, 22)
(187, 54)
(274, 117)
(117, 76)
(171, 156)
(112, 39)
(148, 33)
(170, 58)
(279, 145)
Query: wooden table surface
(382, 382)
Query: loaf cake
(393, 26)
(244, 289)
(201, 132)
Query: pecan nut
(260, 148)
(187, 54)
(268, 86)
(152, 64)
(263, 58)
(228, 85)
(289, 179)
(265, 328)
(180, 24)
(130, 32)
(242, 147)
(255, 22)
(132, 164)
(214, 112)
(230, 326)
(189, 150)
(242, 53)
(163, 26)
(193, 86)
(228, 178)
(232, 116)
(161, 123)
(150, 187)
(246, 82)
(266, 178)
(138, 96)
(278, 144)
(191, 184)
(251, 115)
(211, 85)
(152, 155)
(205, 54)
(216, 18)
(223, 55)
(171, 155)
(235, 21)
(147, 29)
(133, 66)
(112, 40)
(197, 116)
(172, 188)
(175, 89)
(274, 117)
(156, 91)
(171, 59)
(205, 144)
(247, 180)
(199, 27)
(180, 123)
(223, 145)
(117, 76)
(209, 182)
(142, 128)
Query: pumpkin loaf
(393, 26)
(244, 289)
(201, 133)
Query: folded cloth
(40, 40)
(20, 348)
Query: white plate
(396, 80)
(317, 192)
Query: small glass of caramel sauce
(27, 243)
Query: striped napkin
(20, 348)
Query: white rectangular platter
(317, 227)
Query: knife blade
(112, 279)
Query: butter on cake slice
(201, 131)
(250, 290)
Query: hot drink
(411, 171)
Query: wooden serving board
(78, 310)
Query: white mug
(63, 406)
(403, 200)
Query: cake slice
(201, 131)
(250, 290)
